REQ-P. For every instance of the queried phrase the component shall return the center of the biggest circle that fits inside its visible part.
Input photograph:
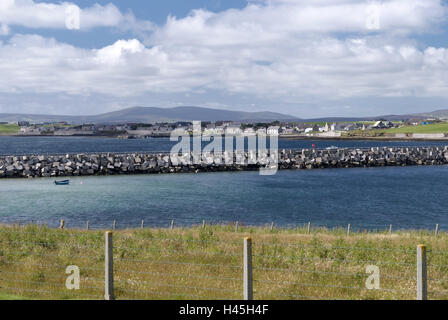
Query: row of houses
(64, 129)
(208, 128)
(347, 126)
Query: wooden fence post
(109, 267)
(309, 227)
(115, 224)
(143, 224)
(348, 229)
(203, 224)
(390, 230)
(437, 230)
(247, 278)
(172, 224)
(422, 280)
(236, 226)
(88, 225)
(272, 225)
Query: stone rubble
(110, 164)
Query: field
(10, 297)
(207, 263)
(9, 128)
(323, 123)
(428, 128)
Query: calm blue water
(61, 145)
(365, 197)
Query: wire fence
(186, 222)
(209, 262)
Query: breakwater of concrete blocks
(146, 163)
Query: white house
(261, 131)
(308, 130)
(213, 131)
(233, 130)
(287, 130)
(379, 125)
(249, 131)
(273, 131)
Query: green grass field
(59, 125)
(9, 128)
(10, 297)
(206, 263)
(429, 128)
(322, 123)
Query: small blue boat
(62, 182)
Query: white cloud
(325, 67)
(30, 14)
(4, 29)
(296, 16)
(281, 52)
(119, 51)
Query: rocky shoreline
(31, 166)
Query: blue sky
(290, 56)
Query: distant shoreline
(284, 137)
(299, 137)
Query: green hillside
(9, 128)
(428, 128)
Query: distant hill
(147, 114)
(337, 119)
(441, 114)
(391, 117)
(152, 114)
(14, 117)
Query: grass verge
(206, 263)
(9, 128)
